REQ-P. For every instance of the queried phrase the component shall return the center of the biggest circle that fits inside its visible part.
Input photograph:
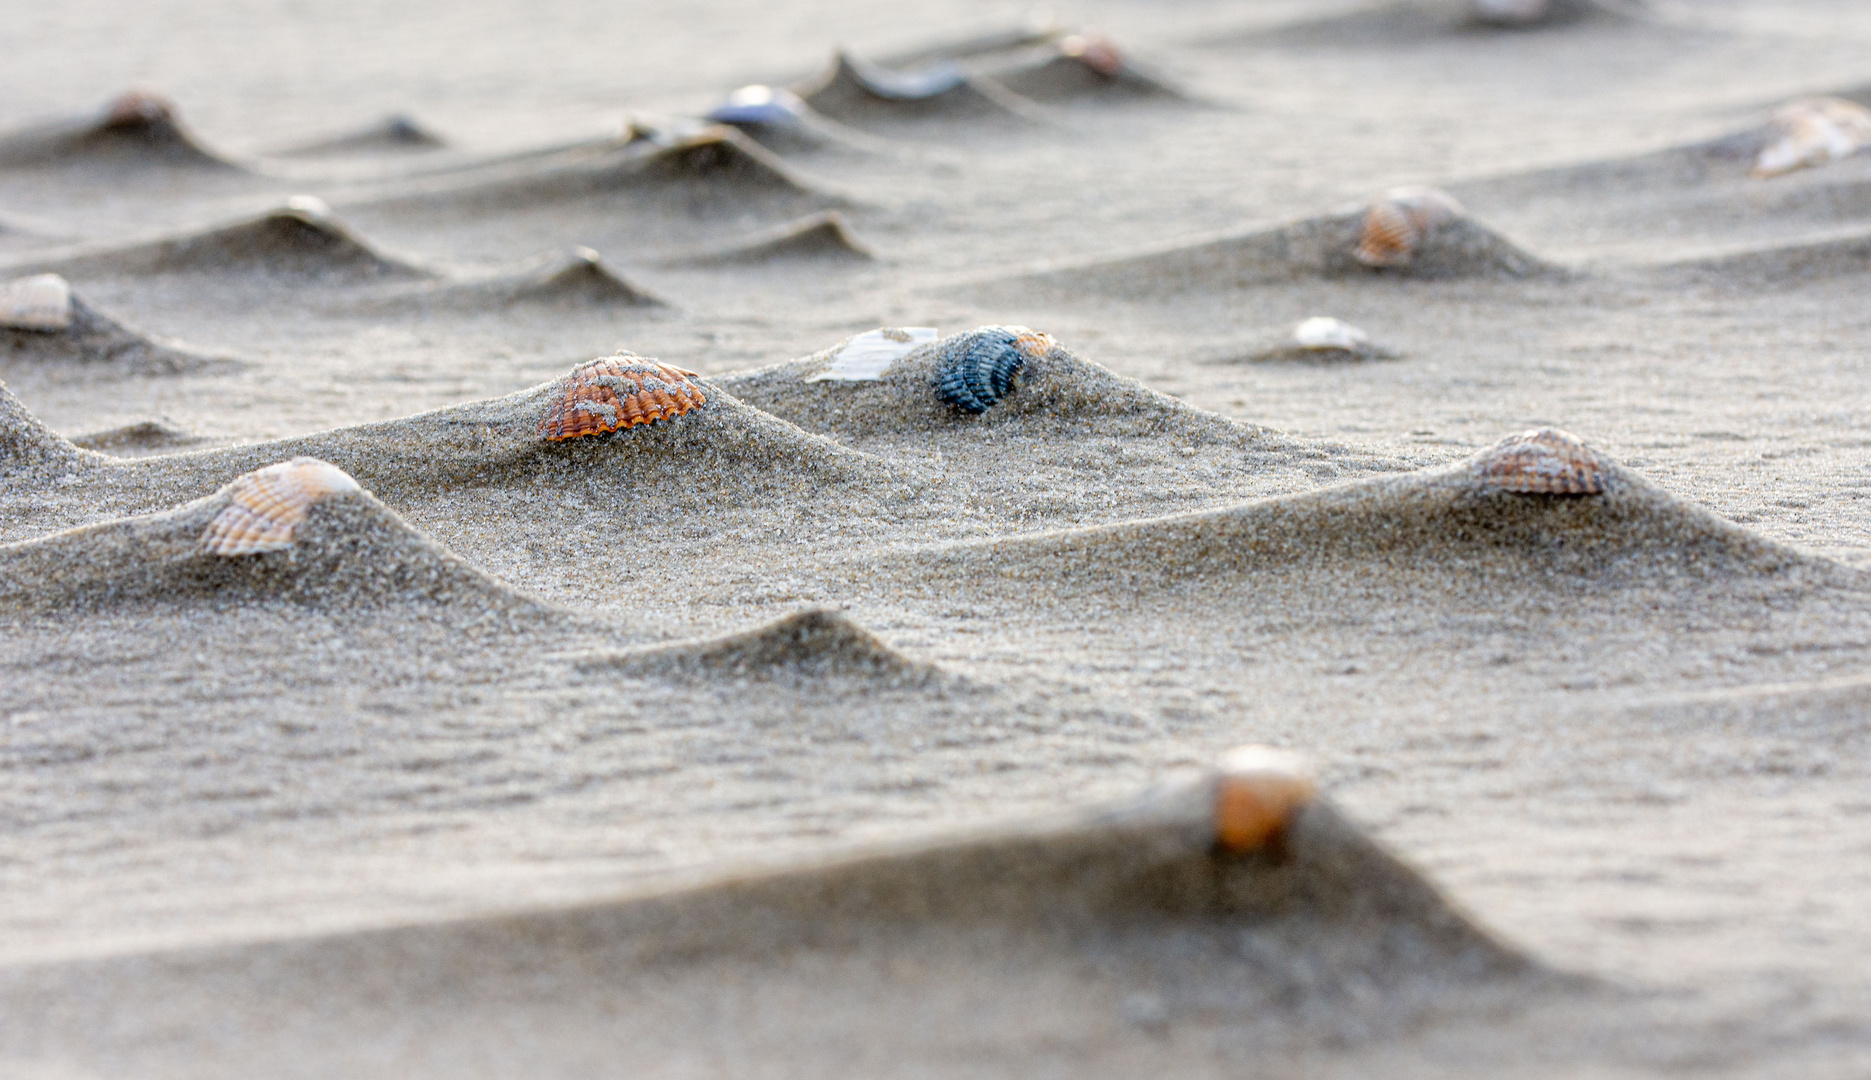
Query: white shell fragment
(41, 302)
(1321, 332)
(1812, 132)
(265, 506)
(310, 205)
(867, 356)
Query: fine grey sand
(830, 729)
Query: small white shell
(310, 205)
(40, 302)
(265, 506)
(1813, 132)
(1320, 332)
(867, 356)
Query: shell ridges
(1399, 221)
(1543, 461)
(265, 506)
(980, 367)
(613, 393)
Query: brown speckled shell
(266, 506)
(1543, 461)
(618, 392)
(1398, 222)
(1258, 792)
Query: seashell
(39, 302)
(1813, 132)
(1095, 51)
(1400, 220)
(136, 107)
(266, 506)
(617, 392)
(309, 206)
(1512, 12)
(759, 105)
(1257, 794)
(1543, 461)
(1320, 332)
(867, 356)
(978, 368)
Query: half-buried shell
(1400, 221)
(1258, 792)
(1543, 461)
(618, 392)
(1813, 132)
(40, 302)
(265, 506)
(133, 108)
(1095, 51)
(976, 369)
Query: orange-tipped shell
(1543, 461)
(1259, 790)
(618, 392)
(265, 506)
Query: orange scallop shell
(266, 506)
(1543, 461)
(618, 392)
(1259, 790)
(1398, 222)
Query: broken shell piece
(266, 506)
(1095, 51)
(980, 367)
(1400, 221)
(1813, 132)
(617, 392)
(1259, 790)
(759, 105)
(1543, 461)
(867, 356)
(40, 302)
(1511, 12)
(1320, 332)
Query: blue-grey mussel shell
(978, 368)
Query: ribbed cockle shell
(265, 506)
(1400, 220)
(617, 392)
(1256, 795)
(1813, 132)
(976, 369)
(1543, 461)
(40, 302)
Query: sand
(827, 729)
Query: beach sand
(829, 728)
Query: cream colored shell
(1813, 132)
(265, 507)
(41, 302)
(1543, 461)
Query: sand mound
(1062, 77)
(28, 447)
(809, 646)
(1039, 30)
(94, 338)
(1105, 930)
(1780, 265)
(138, 130)
(1313, 247)
(1450, 523)
(392, 134)
(1056, 394)
(144, 435)
(710, 169)
(579, 278)
(299, 240)
(822, 237)
(349, 549)
(1412, 21)
(862, 94)
(722, 449)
